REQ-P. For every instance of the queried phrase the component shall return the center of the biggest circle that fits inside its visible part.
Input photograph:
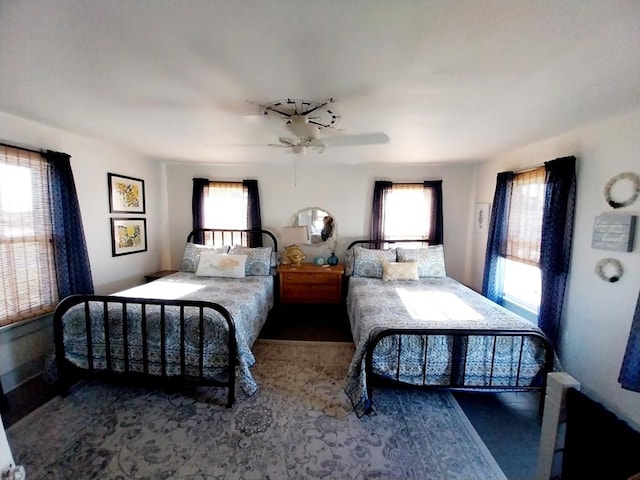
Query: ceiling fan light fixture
(299, 149)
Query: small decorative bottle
(333, 259)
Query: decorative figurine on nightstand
(294, 254)
(333, 259)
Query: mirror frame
(315, 233)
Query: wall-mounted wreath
(633, 178)
(609, 269)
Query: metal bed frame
(68, 373)
(459, 349)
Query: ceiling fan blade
(289, 142)
(357, 139)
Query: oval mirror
(320, 224)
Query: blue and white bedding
(248, 300)
(435, 303)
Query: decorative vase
(333, 259)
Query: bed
(195, 326)
(415, 326)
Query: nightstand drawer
(311, 294)
(312, 278)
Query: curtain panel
(254, 220)
(629, 377)
(557, 239)
(493, 279)
(73, 269)
(200, 188)
(436, 229)
(380, 189)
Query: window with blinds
(226, 206)
(525, 217)
(28, 286)
(522, 279)
(401, 204)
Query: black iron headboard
(222, 236)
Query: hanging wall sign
(614, 232)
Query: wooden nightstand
(156, 275)
(308, 283)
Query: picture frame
(481, 218)
(128, 235)
(126, 194)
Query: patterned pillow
(258, 259)
(221, 265)
(191, 255)
(368, 263)
(430, 260)
(399, 271)
(348, 262)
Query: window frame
(29, 293)
(432, 231)
(524, 248)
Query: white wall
(6, 458)
(345, 191)
(22, 348)
(597, 315)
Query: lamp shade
(294, 236)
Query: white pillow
(221, 265)
(399, 271)
(192, 255)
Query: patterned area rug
(300, 425)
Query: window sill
(13, 331)
(520, 309)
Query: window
(225, 206)
(522, 276)
(401, 204)
(407, 211)
(28, 283)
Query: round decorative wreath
(634, 178)
(609, 269)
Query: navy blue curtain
(380, 188)
(493, 280)
(70, 248)
(556, 241)
(630, 371)
(437, 223)
(200, 187)
(254, 219)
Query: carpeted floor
(299, 425)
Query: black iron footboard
(106, 322)
(458, 360)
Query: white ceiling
(446, 80)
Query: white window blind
(525, 217)
(407, 211)
(28, 285)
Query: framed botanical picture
(481, 218)
(128, 235)
(126, 194)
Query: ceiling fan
(307, 120)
